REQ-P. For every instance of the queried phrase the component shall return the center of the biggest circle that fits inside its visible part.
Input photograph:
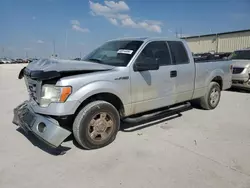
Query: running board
(159, 114)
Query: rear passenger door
(185, 71)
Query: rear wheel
(96, 125)
(212, 97)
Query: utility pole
(66, 43)
(3, 51)
(210, 31)
(54, 48)
(176, 33)
(217, 43)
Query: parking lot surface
(197, 149)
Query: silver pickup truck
(119, 79)
(241, 68)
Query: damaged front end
(40, 76)
(48, 69)
(45, 128)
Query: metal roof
(145, 39)
(214, 34)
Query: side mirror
(146, 64)
(21, 73)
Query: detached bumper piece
(45, 128)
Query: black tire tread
(80, 116)
(204, 100)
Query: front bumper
(45, 128)
(241, 84)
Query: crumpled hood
(60, 65)
(45, 69)
(241, 63)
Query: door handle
(173, 74)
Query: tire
(206, 101)
(92, 120)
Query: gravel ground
(198, 149)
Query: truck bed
(206, 71)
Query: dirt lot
(198, 149)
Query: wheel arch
(108, 91)
(216, 76)
(105, 96)
(218, 79)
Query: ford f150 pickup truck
(241, 68)
(119, 79)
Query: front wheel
(212, 97)
(96, 125)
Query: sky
(72, 28)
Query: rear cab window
(178, 52)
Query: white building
(219, 42)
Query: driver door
(153, 89)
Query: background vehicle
(78, 59)
(208, 56)
(6, 60)
(19, 60)
(224, 55)
(120, 79)
(241, 68)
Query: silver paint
(143, 91)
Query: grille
(237, 70)
(32, 89)
(238, 82)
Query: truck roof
(146, 39)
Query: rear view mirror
(146, 64)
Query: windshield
(244, 54)
(116, 53)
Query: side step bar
(163, 113)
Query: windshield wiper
(95, 60)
